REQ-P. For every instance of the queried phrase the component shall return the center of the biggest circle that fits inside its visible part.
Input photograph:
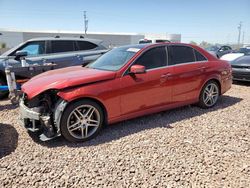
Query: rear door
(62, 54)
(189, 67)
(85, 50)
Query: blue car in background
(219, 51)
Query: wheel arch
(212, 79)
(218, 82)
(105, 112)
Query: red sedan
(124, 83)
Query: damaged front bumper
(47, 124)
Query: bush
(2, 45)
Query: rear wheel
(209, 95)
(82, 121)
(3, 94)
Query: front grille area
(241, 76)
(241, 67)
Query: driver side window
(153, 58)
(34, 48)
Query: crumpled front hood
(64, 78)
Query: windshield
(114, 59)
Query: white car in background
(144, 41)
(236, 54)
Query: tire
(209, 95)
(3, 94)
(81, 121)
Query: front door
(148, 90)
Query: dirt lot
(185, 147)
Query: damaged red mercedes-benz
(125, 83)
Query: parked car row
(236, 54)
(219, 51)
(240, 62)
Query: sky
(214, 21)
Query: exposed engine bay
(43, 113)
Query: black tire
(3, 94)
(203, 103)
(68, 117)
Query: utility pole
(243, 37)
(86, 21)
(239, 28)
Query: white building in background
(164, 36)
(14, 37)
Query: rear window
(62, 46)
(85, 45)
(199, 56)
(180, 54)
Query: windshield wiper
(85, 64)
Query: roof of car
(140, 46)
(96, 41)
(148, 45)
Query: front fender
(105, 93)
(73, 94)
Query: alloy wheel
(83, 121)
(211, 94)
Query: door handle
(44, 60)
(202, 69)
(166, 75)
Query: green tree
(205, 44)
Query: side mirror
(21, 53)
(137, 69)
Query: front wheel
(209, 95)
(82, 121)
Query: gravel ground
(185, 147)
